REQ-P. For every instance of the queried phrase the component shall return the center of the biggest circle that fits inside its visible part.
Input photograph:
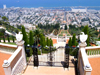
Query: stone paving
(95, 64)
(3, 56)
(54, 70)
(49, 71)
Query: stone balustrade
(95, 50)
(17, 62)
(8, 48)
(83, 63)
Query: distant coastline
(48, 3)
(65, 7)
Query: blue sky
(48, 3)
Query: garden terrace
(8, 48)
(63, 33)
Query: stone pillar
(81, 45)
(87, 70)
(21, 44)
(87, 67)
(7, 68)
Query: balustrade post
(21, 44)
(83, 63)
(81, 45)
(7, 68)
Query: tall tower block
(4, 7)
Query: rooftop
(54, 41)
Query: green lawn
(64, 31)
(68, 35)
(60, 34)
(10, 43)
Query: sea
(89, 4)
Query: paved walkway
(47, 70)
(95, 64)
(3, 56)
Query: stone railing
(83, 62)
(17, 62)
(93, 50)
(8, 48)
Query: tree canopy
(65, 27)
(4, 18)
(74, 40)
(31, 40)
(70, 42)
(25, 38)
(86, 29)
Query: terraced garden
(64, 32)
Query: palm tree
(37, 34)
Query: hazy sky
(49, 3)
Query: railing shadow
(48, 63)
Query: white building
(4, 7)
(79, 10)
(85, 23)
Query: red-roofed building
(54, 41)
(67, 41)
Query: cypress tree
(65, 27)
(70, 42)
(13, 39)
(42, 41)
(51, 42)
(31, 41)
(3, 39)
(74, 40)
(0, 39)
(8, 39)
(47, 41)
(25, 38)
